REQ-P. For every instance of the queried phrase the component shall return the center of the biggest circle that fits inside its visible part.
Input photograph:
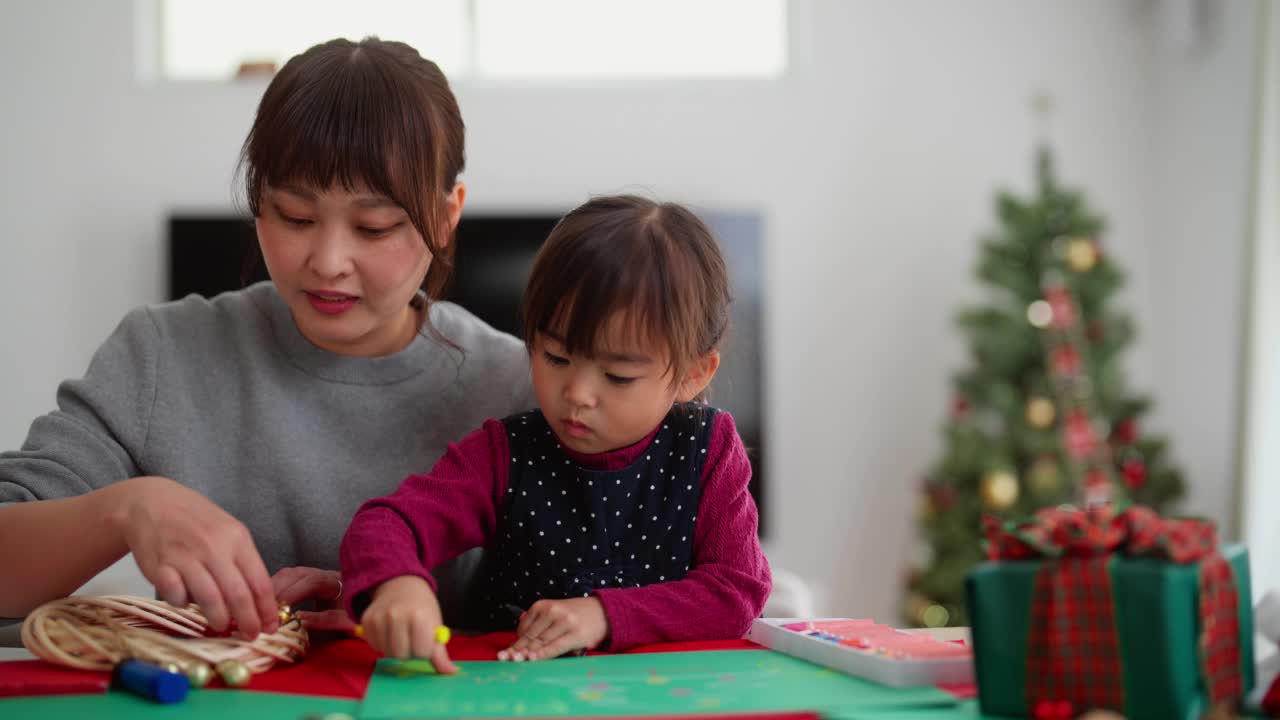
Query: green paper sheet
(199, 705)
(643, 684)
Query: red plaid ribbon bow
(1073, 655)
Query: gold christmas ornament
(1040, 314)
(999, 490)
(936, 616)
(1040, 412)
(917, 606)
(1082, 254)
(1044, 477)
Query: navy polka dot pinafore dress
(565, 530)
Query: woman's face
(348, 263)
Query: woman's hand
(192, 550)
(402, 619)
(550, 628)
(295, 584)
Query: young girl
(618, 510)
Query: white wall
(1201, 161)
(873, 162)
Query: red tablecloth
(334, 667)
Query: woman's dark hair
(656, 263)
(372, 113)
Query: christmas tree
(1043, 417)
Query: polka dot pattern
(568, 531)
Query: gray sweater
(227, 397)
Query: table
(336, 676)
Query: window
(199, 40)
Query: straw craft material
(96, 633)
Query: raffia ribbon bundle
(97, 633)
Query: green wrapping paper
(1157, 620)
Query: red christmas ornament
(960, 406)
(1065, 360)
(1078, 435)
(1126, 431)
(1135, 473)
(1064, 311)
(943, 496)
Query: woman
(222, 440)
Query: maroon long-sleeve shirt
(435, 517)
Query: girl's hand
(296, 584)
(550, 628)
(192, 550)
(401, 622)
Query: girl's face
(616, 398)
(348, 263)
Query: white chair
(791, 596)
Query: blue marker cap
(152, 681)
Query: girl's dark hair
(374, 113)
(655, 262)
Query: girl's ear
(698, 377)
(453, 203)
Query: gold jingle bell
(199, 674)
(234, 673)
